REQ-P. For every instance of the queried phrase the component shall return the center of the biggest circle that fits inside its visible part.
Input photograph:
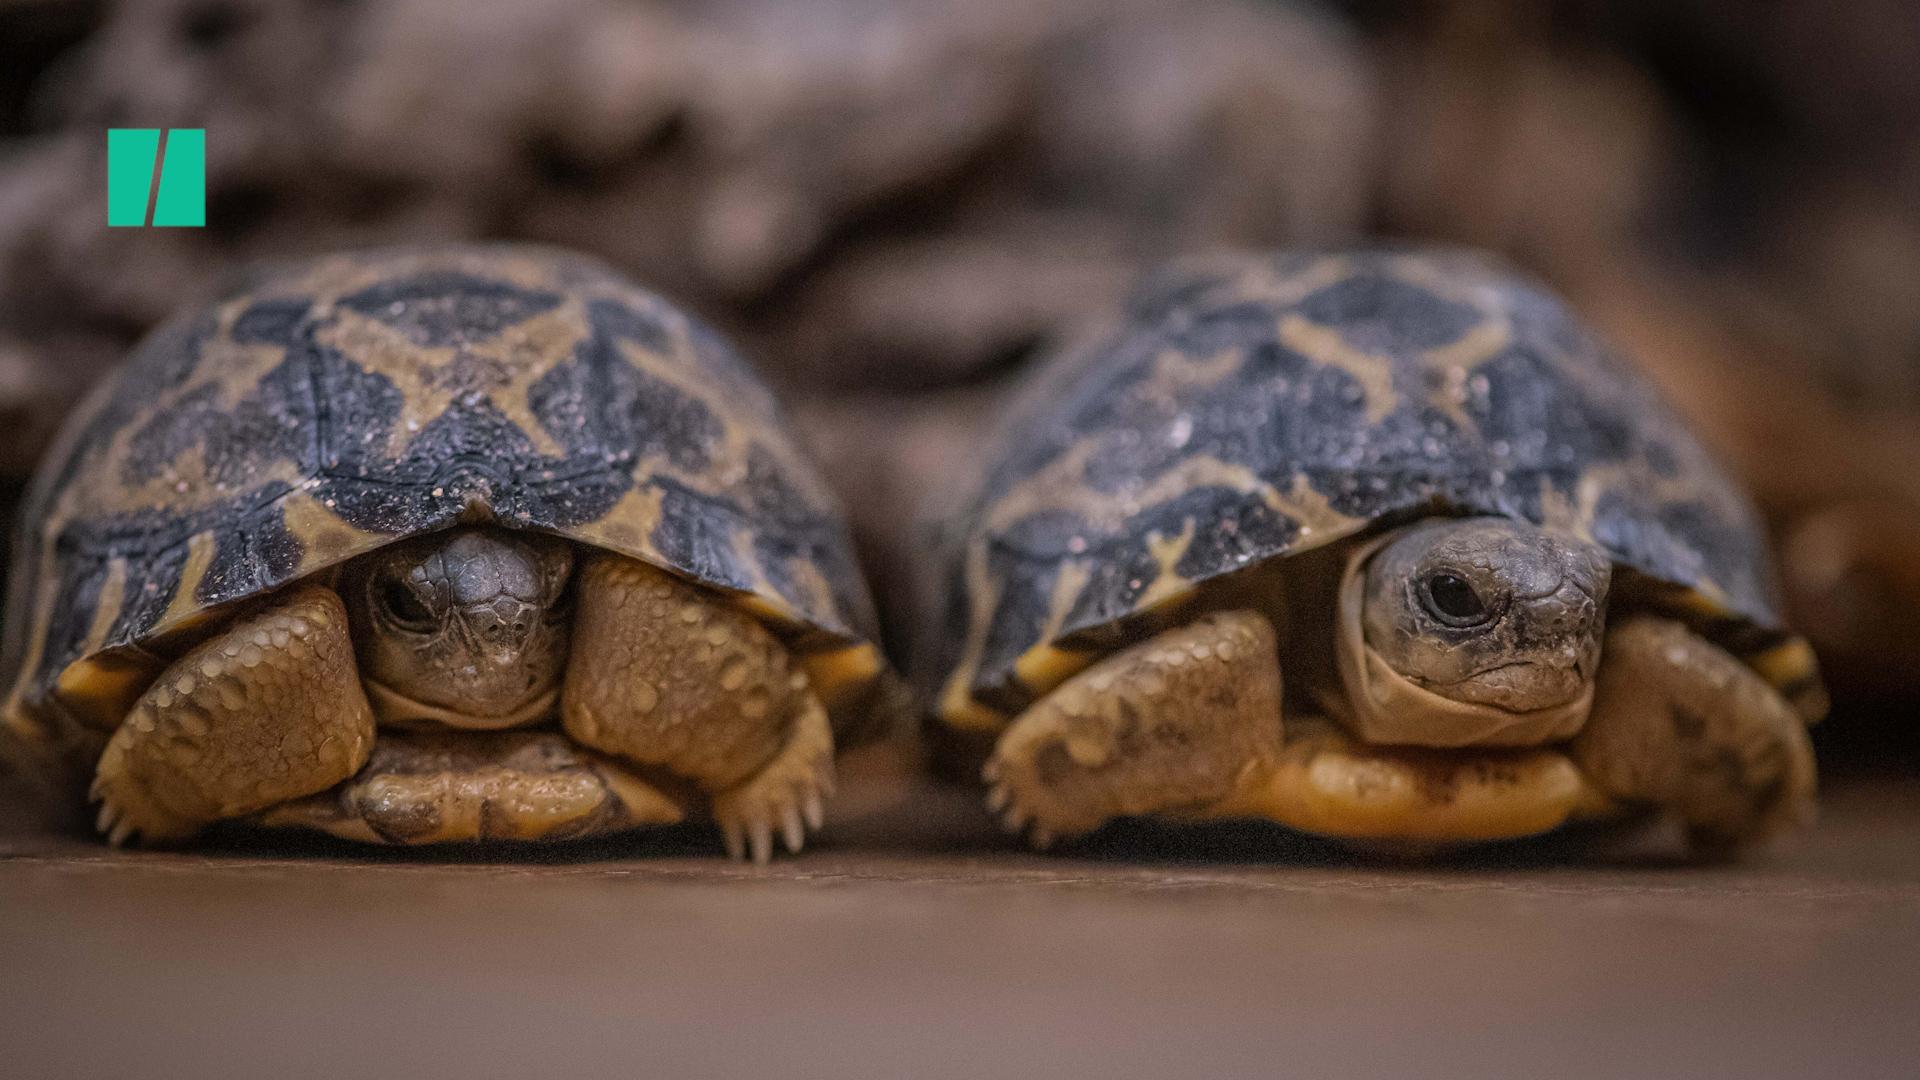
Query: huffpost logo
(175, 193)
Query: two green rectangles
(177, 196)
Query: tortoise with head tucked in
(1382, 546)
(448, 544)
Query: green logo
(176, 192)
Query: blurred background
(892, 204)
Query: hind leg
(666, 674)
(1680, 723)
(268, 711)
(1186, 723)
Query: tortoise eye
(405, 608)
(1450, 599)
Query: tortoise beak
(502, 627)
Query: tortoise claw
(786, 799)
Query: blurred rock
(870, 193)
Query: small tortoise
(436, 545)
(1508, 590)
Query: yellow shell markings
(957, 705)
(1166, 552)
(325, 537)
(762, 599)
(431, 379)
(500, 367)
(1455, 362)
(744, 424)
(113, 593)
(1465, 278)
(1597, 480)
(632, 520)
(182, 483)
(524, 353)
(747, 420)
(1486, 341)
(1575, 517)
(1327, 346)
(32, 560)
(1059, 486)
(200, 548)
(521, 355)
(95, 692)
(1046, 665)
(100, 484)
(98, 686)
(21, 721)
(1264, 284)
(1175, 371)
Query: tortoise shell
(1247, 408)
(328, 408)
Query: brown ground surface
(915, 944)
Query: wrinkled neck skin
(1471, 632)
(466, 628)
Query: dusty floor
(917, 945)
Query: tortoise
(442, 544)
(1507, 589)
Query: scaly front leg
(667, 674)
(268, 711)
(1185, 723)
(1680, 723)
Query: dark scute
(273, 422)
(251, 553)
(471, 453)
(781, 499)
(355, 409)
(163, 361)
(597, 400)
(1545, 418)
(142, 606)
(1382, 315)
(81, 581)
(446, 307)
(1228, 530)
(272, 322)
(696, 533)
(620, 321)
(1201, 335)
(1012, 629)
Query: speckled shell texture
(330, 407)
(1250, 407)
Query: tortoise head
(466, 627)
(1481, 630)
